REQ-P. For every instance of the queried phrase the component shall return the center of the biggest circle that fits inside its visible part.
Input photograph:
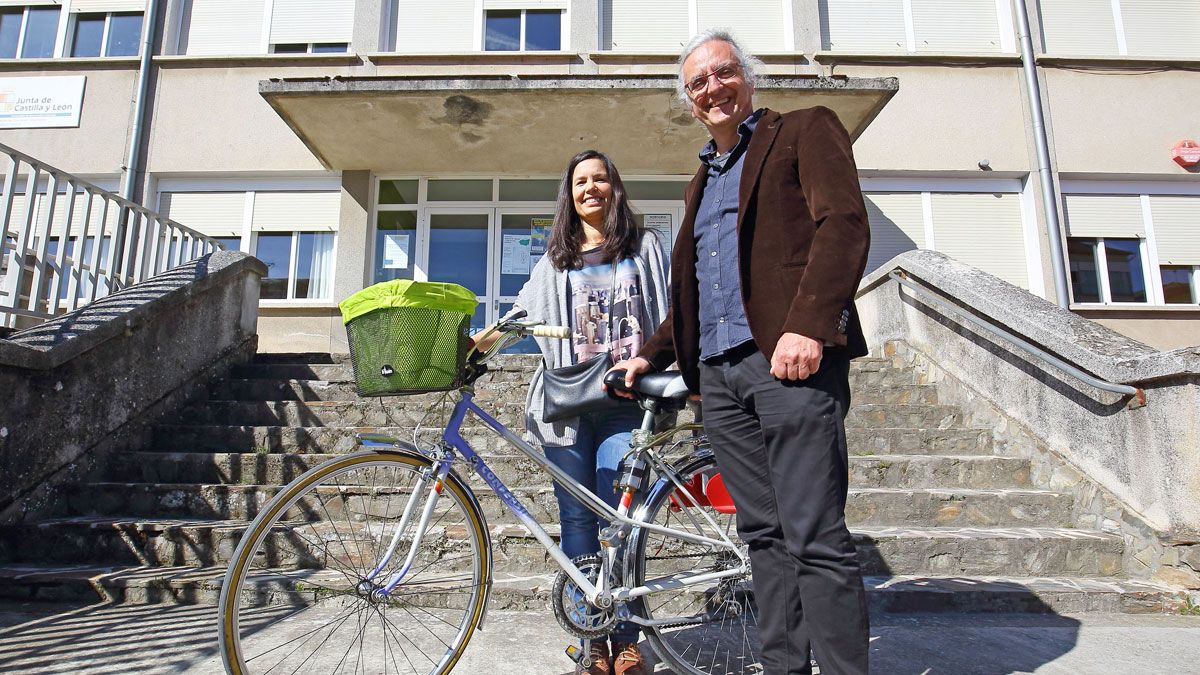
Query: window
(952, 217)
(29, 32)
(1106, 28)
(112, 34)
(227, 27)
(299, 264)
(512, 30)
(1107, 270)
(317, 48)
(1116, 242)
(666, 25)
(916, 26)
(1181, 284)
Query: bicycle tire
(289, 572)
(725, 643)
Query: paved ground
(180, 639)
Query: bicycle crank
(574, 613)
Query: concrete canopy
(528, 125)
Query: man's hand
(632, 367)
(796, 357)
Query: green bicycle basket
(408, 337)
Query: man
(762, 324)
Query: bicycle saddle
(668, 385)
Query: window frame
(1194, 282)
(105, 36)
(309, 48)
(290, 298)
(1151, 267)
(564, 31)
(59, 31)
(1100, 260)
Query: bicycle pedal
(576, 654)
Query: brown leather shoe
(628, 659)
(601, 662)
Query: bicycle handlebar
(559, 332)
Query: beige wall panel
(301, 330)
(1119, 124)
(946, 119)
(1161, 330)
(229, 127)
(97, 146)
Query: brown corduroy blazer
(803, 237)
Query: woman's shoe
(628, 659)
(601, 661)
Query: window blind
(435, 26)
(1176, 228)
(639, 26)
(1078, 27)
(296, 211)
(984, 231)
(1162, 27)
(897, 225)
(311, 21)
(955, 25)
(757, 24)
(1103, 216)
(863, 25)
(219, 27)
(215, 214)
(90, 6)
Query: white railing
(65, 242)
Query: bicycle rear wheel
(717, 629)
(294, 597)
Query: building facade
(346, 142)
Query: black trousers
(781, 447)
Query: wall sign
(40, 102)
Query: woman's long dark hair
(622, 235)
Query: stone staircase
(942, 522)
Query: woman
(574, 285)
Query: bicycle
(385, 554)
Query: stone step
(339, 440)
(863, 372)
(518, 470)
(323, 390)
(946, 551)
(404, 412)
(136, 584)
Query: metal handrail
(140, 243)
(1138, 395)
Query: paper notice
(395, 251)
(514, 254)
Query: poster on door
(514, 254)
(539, 234)
(395, 251)
(661, 224)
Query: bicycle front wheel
(299, 595)
(713, 627)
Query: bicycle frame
(598, 594)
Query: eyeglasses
(723, 74)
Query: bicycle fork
(434, 477)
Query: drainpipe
(1054, 226)
(134, 165)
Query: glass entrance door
(459, 252)
(522, 241)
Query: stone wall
(91, 380)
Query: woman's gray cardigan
(544, 296)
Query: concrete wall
(1148, 457)
(97, 146)
(73, 384)
(1121, 125)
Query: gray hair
(749, 63)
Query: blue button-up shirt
(723, 324)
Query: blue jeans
(593, 460)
